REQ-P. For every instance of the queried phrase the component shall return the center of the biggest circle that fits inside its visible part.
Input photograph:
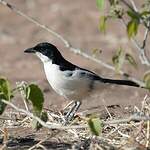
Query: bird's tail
(120, 82)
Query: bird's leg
(70, 114)
(67, 108)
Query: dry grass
(118, 134)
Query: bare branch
(6, 118)
(127, 4)
(148, 134)
(146, 36)
(131, 118)
(133, 5)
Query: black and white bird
(69, 80)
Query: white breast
(71, 87)
(53, 75)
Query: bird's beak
(30, 50)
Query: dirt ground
(77, 21)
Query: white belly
(70, 87)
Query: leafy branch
(136, 17)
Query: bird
(69, 80)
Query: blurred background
(77, 21)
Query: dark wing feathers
(67, 66)
(95, 77)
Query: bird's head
(45, 51)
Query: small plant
(5, 93)
(29, 92)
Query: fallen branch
(53, 126)
(61, 127)
(129, 119)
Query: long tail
(120, 82)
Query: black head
(46, 49)
(52, 53)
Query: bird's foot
(71, 113)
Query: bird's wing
(84, 73)
(80, 73)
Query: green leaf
(5, 93)
(146, 79)
(100, 4)
(134, 15)
(102, 23)
(36, 125)
(131, 60)
(44, 116)
(145, 13)
(35, 95)
(5, 90)
(132, 28)
(118, 59)
(113, 2)
(95, 125)
(2, 106)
